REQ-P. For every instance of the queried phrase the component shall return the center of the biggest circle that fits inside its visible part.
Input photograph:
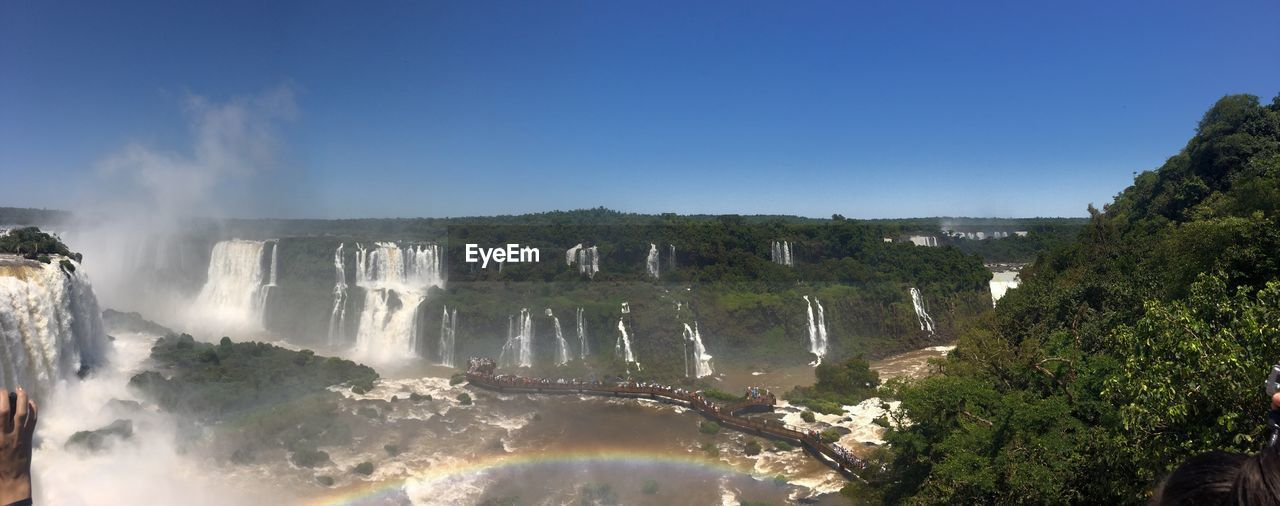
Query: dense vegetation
(1019, 249)
(747, 307)
(262, 396)
(838, 384)
(228, 378)
(32, 244)
(1141, 343)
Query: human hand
(16, 429)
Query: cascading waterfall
(651, 264)
(448, 335)
(671, 257)
(562, 347)
(701, 359)
(622, 348)
(275, 246)
(518, 351)
(234, 295)
(582, 334)
(780, 253)
(588, 259)
(395, 280)
(817, 330)
(50, 326)
(1001, 283)
(338, 316)
(922, 315)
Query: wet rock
(94, 441)
(124, 406)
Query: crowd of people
(760, 395)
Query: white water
(275, 246)
(922, 315)
(780, 253)
(271, 275)
(50, 327)
(448, 336)
(519, 348)
(588, 259)
(571, 254)
(395, 280)
(1001, 283)
(234, 293)
(338, 316)
(924, 240)
(651, 264)
(701, 359)
(148, 468)
(622, 348)
(817, 330)
(562, 347)
(582, 334)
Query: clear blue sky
(869, 109)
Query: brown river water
(501, 449)
(560, 449)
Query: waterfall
(701, 359)
(1001, 283)
(275, 245)
(780, 253)
(651, 264)
(271, 275)
(817, 329)
(571, 254)
(338, 316)
(562, 347)
(671, 257)
(234, 294)
(448, 336)
(588, 259)
(582, 334)
(518, 352)
(50, 326)
(922, 315)
(395, 280)
(622, 348)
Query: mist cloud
(231, 141)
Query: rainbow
(379, 492)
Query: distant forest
(1126, 351)
(1043, 233)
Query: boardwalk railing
(729, 416)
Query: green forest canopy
(31, 243)
(1137, 345)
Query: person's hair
(1223, 478)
